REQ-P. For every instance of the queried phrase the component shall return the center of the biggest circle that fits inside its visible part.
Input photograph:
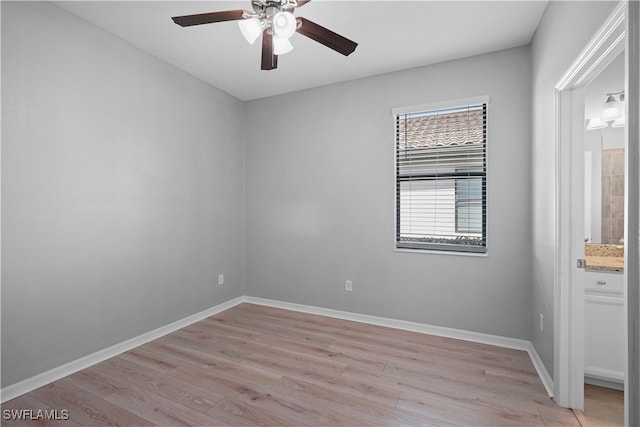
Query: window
(441, 177)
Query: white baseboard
(604, 374)
(616, 385)
(546, 379)
(30, 384)
(460, 334)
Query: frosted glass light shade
(595, 124)
(611, 109)
(284, 24)
(281, 45)
(250, 29)
(618, 123)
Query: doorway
(570, 278)
(604, 212)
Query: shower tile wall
(613, 196)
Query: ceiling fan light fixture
(251, 29)
(284, 24)
(274, 20)
(281, 45)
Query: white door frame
(606, 44)
(632, 230)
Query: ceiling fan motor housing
(268, 8)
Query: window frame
(435, 248)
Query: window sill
(435, 252)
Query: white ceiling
(392, 35)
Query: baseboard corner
(546, 379)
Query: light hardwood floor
(603, 406)
(256, 365)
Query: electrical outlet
(220, 279)
(541, 323)
(348, 285)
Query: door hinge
(581, 263)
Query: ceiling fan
(275, 21)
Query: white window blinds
(441, 185)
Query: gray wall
(564, 31)
(320, 200)
(122, 191)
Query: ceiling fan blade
(326, 37)
(208, 18)
(302, 3)
(269, 60)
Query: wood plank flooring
(259, 366)
(603, 406)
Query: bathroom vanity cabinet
(604, 326)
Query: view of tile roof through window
(442, 128)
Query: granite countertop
(604, 263)
(600, 257)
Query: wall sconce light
(618, 123)
(612, 111)
(596, 123)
